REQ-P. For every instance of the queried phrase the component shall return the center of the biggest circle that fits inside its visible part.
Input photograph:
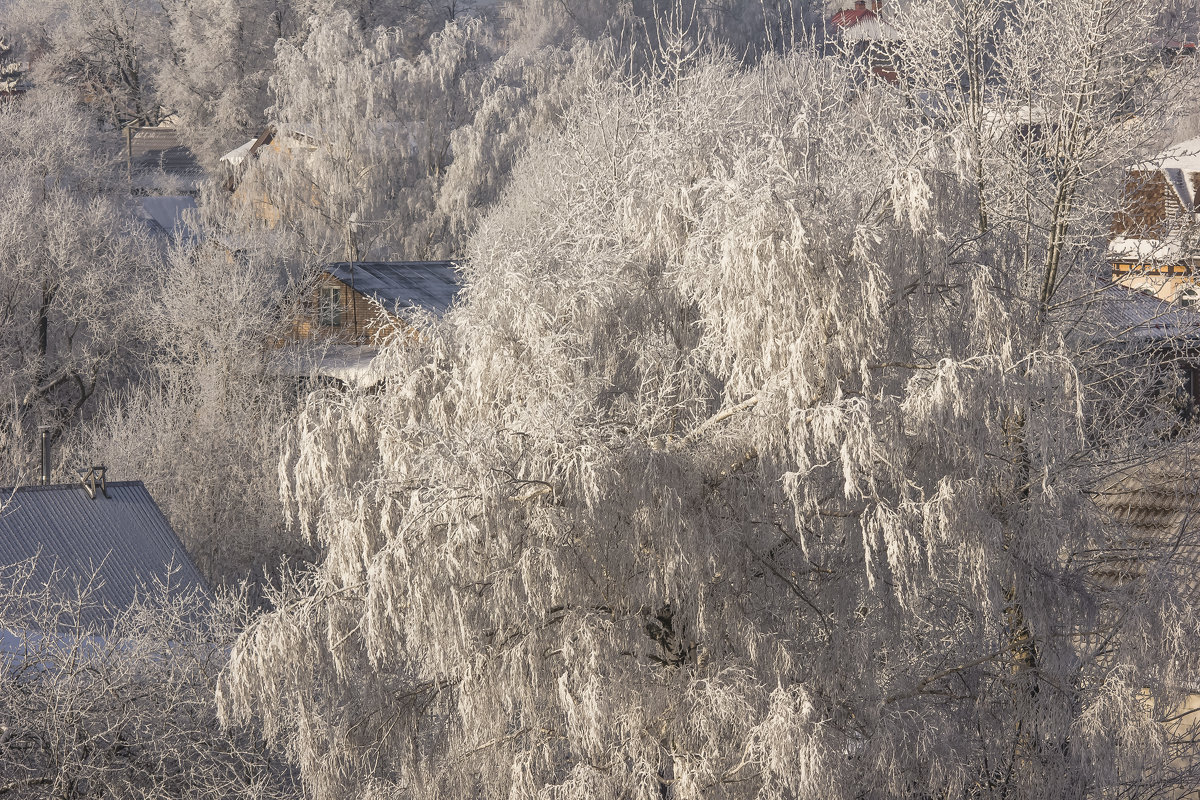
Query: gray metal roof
(1118, 313)
(171, 216)
(124, 541)
(160, 148)
(399, 285)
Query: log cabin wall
(359, 320)
(1144, 206)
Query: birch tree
(755, 462)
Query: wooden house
(353, 308)
(1153, 248)
(862, 35)
(244, 183)
(367, 302)
(1152, 505)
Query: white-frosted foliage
(202, 426)
(105, 49)
(68, 253)
(214, 71)
(402, 156)
(748, 466)
(364, 137)
(521, 96)
(122, 708)
(219, 56)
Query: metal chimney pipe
(45, 456)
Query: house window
(329, 307)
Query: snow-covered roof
(173, 216)
(238, 154)
(1000, 121)
(1183, 156)
(870, 29)
(121, 544)
(351, 364)
(1167, 250)
(304, 134)
(1118, 313)
(399, 285)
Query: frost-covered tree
(69, 252)
(102, 48)
(362, 138)
(523, 96)
(122, 709)
(214, 72)
(758, 461)
(202, 424)
(219, 56)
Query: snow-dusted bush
(122, 708)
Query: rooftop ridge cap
(37, 487)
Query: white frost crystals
(756, 463)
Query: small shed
(109, 536)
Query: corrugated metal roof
(1122, 314)
(160, 148)
(123, 541)
(399, 285)
(1158, 505)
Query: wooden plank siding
(1150, 207)
(1144, 206)
(362, 321)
